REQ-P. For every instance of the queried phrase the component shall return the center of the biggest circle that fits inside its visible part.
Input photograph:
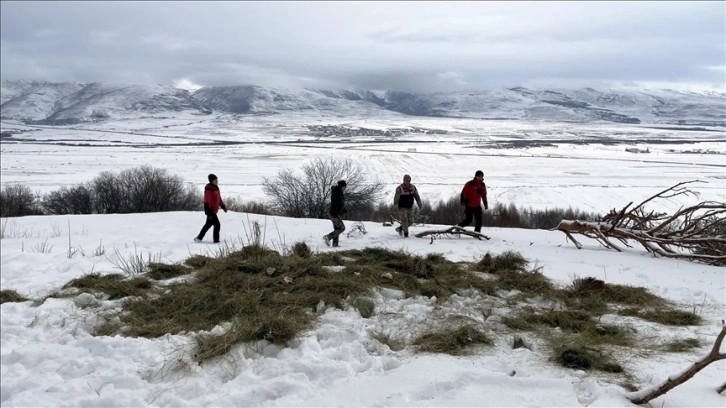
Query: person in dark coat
(212, 203)
(473, 195)
(337, 209)
(406, 194)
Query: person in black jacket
(337, 208)
(404, 198)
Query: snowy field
(584, 166)
(48, 357)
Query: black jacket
(337, 202)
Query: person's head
(342, 184)
(406, 179)
(479, 175)
(212, 179)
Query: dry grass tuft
(9, 295)
(452, 341)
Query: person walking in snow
(212, 203)
(473, 195)
(406, 194)
(337, 209)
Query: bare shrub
(143, 189)
(308, 195)
(17, 200)
(108, 194)
(252, 207)
(77, 199)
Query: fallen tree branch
(696, 232)
(455, 230)
(642, 397)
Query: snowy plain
(48, 357)
(531, 164)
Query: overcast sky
(407, 46)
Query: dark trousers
(338, 228)
(212, 221)
(470, 212)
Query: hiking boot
(335, 244)
(399, 230)
(197, 239)
(405, 234)
(326, 239)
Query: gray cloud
(426, 46)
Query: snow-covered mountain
(52, 103)
(33, 100)
(255, 100)
(59, 103)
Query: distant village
(345, 131)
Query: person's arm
(464, 198)
(208, 202)
(417, 197)
(221, 202)
(397, 196)
(484, 196)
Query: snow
(58, 101)
(48, 357)
(579, 165)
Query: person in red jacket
(212, 203)
(473, 195)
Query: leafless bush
(77, 199)
(17, 200)
(237, 205)
(143, 189)
(108, 194)
(308, 195)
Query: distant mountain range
(66, 103)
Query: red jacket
(212, 199)
(474, 193)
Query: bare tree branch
(696, 232)
(455, 230)
(642, 397)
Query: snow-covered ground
(48, 357)
(584, 166)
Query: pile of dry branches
(696, 232)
